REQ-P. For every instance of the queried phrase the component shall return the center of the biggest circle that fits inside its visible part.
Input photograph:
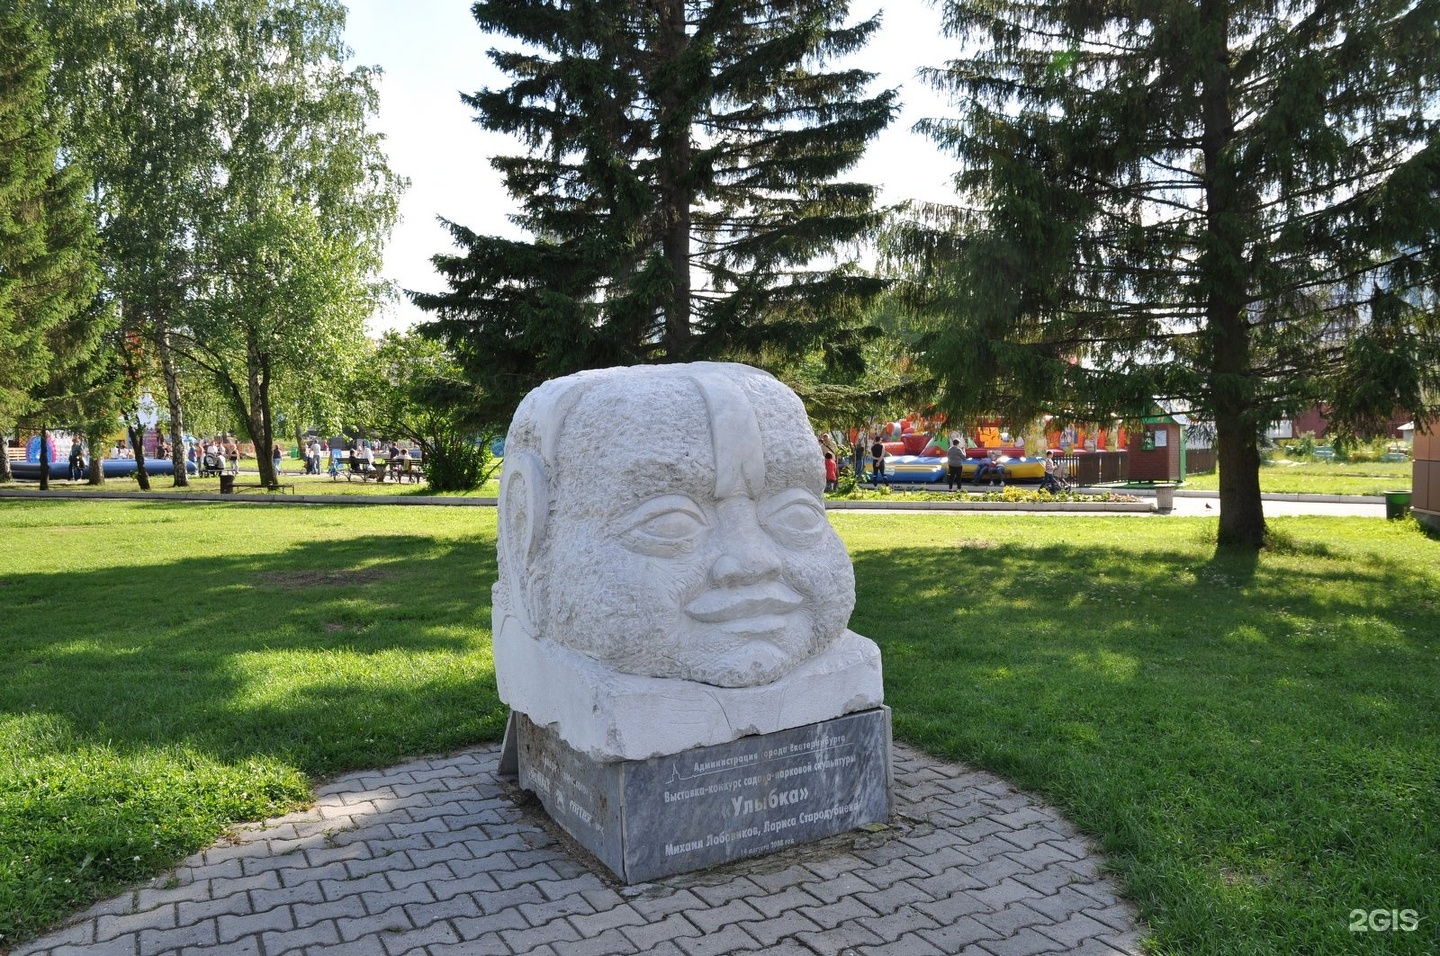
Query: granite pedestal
(646, 819)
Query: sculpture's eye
(664, 526)
(795, 519)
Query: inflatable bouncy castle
(915, 456)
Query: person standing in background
(877, 452)
(955, 465)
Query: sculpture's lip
(722, 607)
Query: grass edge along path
(1254, 743)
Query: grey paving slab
(439, 856)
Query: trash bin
(227, 484)
(1164, 497)
(1397, 504)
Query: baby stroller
(1057, 481)
(211, 466)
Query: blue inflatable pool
(113, 468)
(914, 468)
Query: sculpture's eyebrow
(735, 436)
(649, 475)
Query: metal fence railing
(1198, 461)
(1095, 467)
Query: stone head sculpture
(668, 521)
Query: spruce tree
(48, 276)
(1232, 205)
(681, 189)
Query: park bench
(356, 469)
(280, 487)
(228, 485)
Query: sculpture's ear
(524, 508)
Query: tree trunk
(172, 399)
(259, 432)
(1242, 514)
(262, 428)
(674, 180)
(137, 444)
(1225, 273)
(44, 459)
(95, 438)
(6, 475)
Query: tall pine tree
(48, 275)
(1230, 204)
(681, 189)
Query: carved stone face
(686, 535)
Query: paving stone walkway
(440, 858)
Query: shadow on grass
(322, 655)
(145, 707)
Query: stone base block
(646, 819)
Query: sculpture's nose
(746, 552)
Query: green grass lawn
(1320, 477)
(1255, 743)
(169, 668)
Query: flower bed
(1009, 494)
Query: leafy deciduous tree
(293, 232)
(420, 395)
(136, 82)
(245, 200)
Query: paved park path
(439, 857)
